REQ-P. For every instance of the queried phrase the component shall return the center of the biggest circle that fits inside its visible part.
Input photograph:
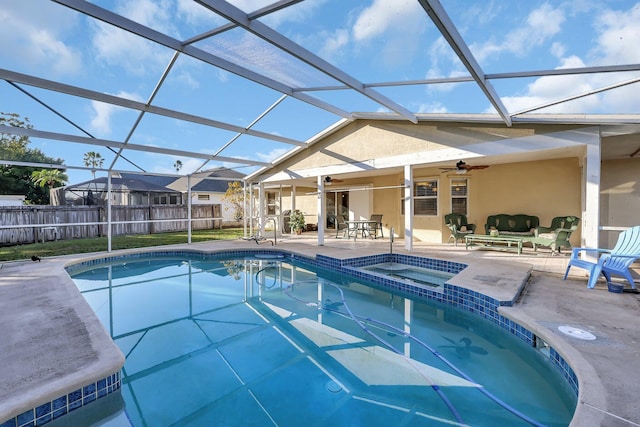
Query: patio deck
(606, 367)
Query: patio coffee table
(511, 242)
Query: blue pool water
(249, 341)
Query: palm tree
(49, 177)
(177, 165)
(93, 160)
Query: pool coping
(58, 356)
(503, 284)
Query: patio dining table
(362, 226)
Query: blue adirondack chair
(614, 261)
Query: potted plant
(296, 221)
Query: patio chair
(373, 229)
(557, 235)
(458, 226)
(614, 261)
(341, 226)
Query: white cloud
(117, 47)
(187, 79)
(432, 107)
(558, 49)
(334, 43)
(384, 16)
(619, 32)
(552, 88)
(195, 14)
(395, 25)
(271, 155)
(33, 34)
(103, 114)
(540, 25)
(298, 13)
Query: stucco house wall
(534, 169)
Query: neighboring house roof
(163, 181)
(198, 182)
(163, 184)
(119, 185)
(211, 186)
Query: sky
(374, 41)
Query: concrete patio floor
(607, 367)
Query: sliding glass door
(337, 203)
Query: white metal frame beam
(271, 36)
(449, 31)
(136, 105)
(33, 133)
(123, 23)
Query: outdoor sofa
(519, 225)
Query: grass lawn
(97, 244)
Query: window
(272, 202)
(425, 197)
(203, 197)
(159, 200)
(459, 196)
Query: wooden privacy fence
(29, 224)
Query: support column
(279, 227)
(261, 207)
(244, 208)
(591, 192)
(109, 211)
(408, 207)
(189, 211)
(251, 211)
(322, 211)
(293, 202)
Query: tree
(234, 200)
(93, 160)
(17, 179)
(49, 177)
(177, 165)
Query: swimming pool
(271, 340)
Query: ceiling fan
(328, 180)
(461, 167)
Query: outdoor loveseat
(557, 235)
(519, 225)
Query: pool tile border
(62, 405)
